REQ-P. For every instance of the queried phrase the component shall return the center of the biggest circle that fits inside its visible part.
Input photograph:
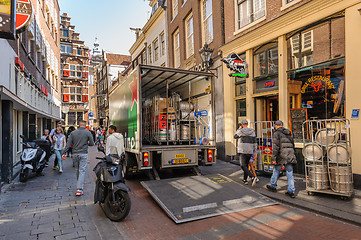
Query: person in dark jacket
(246, 147)
(283, 154)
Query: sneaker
(257, 179)
(292, 195)
(245, 182)
(272, 189)
(79, 192)
(254, 181)
(46, 165)
(55, 167)
(60, 170)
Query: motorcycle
(110, 189)
(33, 158)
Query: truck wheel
(129, 165)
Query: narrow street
(46, 208)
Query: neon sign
(269, 84)
(316, 83)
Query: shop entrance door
(271, 108)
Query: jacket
(283, 147)
(115, 144)
(247, 143)
(81, 140)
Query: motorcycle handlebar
(99, 158)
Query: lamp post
(206, 54)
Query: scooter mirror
(21, 136)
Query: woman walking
(47, 137)
(59, 145)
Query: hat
(279, 123)
(244, 121)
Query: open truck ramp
(197, 197)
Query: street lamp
(206, 54)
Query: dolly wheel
(344, 198)
(310, 193)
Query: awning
(20, 104)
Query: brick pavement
(46, 207)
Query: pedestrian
(283, 154)
(81, 139)
(59, 145)
(115, 142)
(70, 129)
(58, 125)
(246, 148)
(47, 137)
(99, 136)
(92, 131)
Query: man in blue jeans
(283, 154)
(81, 139)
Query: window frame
(176, 50)
(175, 5)
(156, 49)
(205, 19)
(188, 35)
(237, 26)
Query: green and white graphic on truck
(123, 110)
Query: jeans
(81, 163)
(244, 161)
(59, 159)
(290, 180)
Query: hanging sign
(24, 14)
(355, 113)
(236, 64)
(7, 19)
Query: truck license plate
(180, 161)
(180, 156)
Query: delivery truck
(167, 118)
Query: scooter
(33, 159)
(110, 189)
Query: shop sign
(236, 64)
(7, 19)
(269, 84)
(316, 83)
(24, 14)
(355, 113)
(202, 67)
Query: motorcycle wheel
(119, 210)
(24, 175)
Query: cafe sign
(24, 14)
(316, 82)
(236, 64)
(7, 19)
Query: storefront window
(266, 60)
(319, 89)
(240, 88)
(240, 110)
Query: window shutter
(307, 41)
(85, 98)
(66, 73)
(66, 97)
(85, 74)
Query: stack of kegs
(186, 110)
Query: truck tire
(129, 165)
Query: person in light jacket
(283, 154)
(115, 142)
(246, 148)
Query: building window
(154, 8)
(75, 70)
(156, 50)
(66, 33)
(79, 52)
(240, 86)
(162, 44)
(150, 60)
(144, 56)
(174, 8)
(71, 118)
(176, 52)
(66, 48)
(207, 21)
(266, 60)
(249, 11)
(189, 36)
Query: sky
(109, 20)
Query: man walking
(115, 142)
(283, 154)
(81, 139)
(247, 146)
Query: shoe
(55, 167)
(292, 195)
(61, 170)
(254, 181)
(257, 180)
(245, 182)
(79, 192)
(272, 189)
